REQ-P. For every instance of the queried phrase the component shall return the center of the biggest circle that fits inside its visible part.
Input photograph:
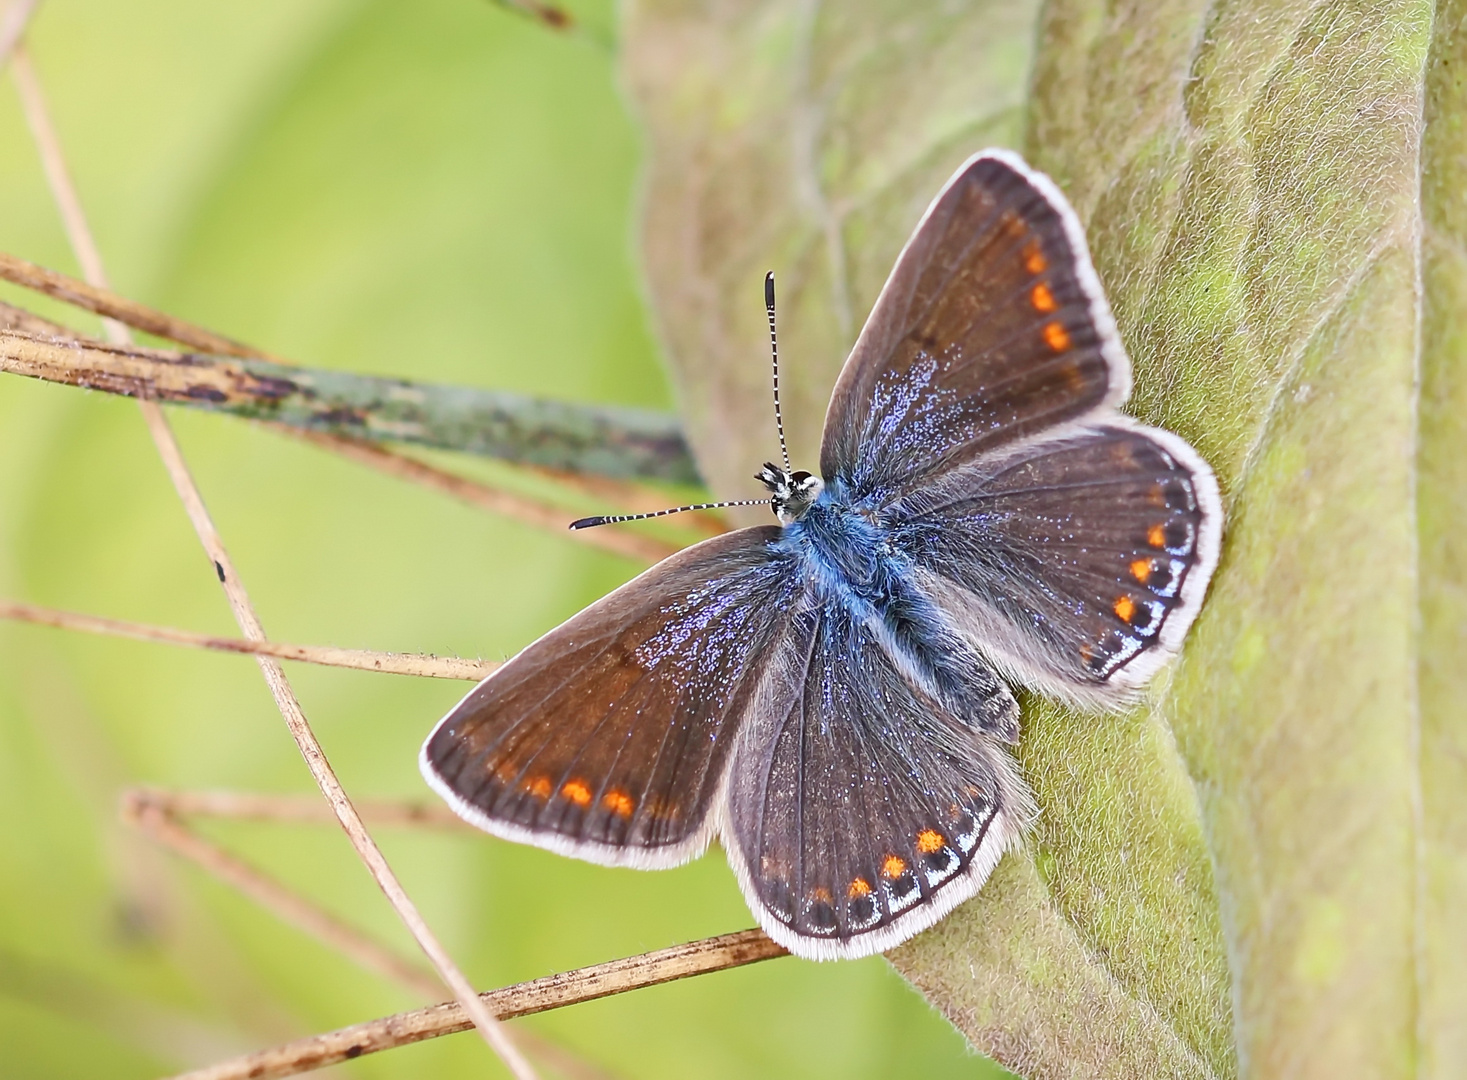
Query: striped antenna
(592, 522)
(774, 359)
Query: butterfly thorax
(846, 552)
(849, 561)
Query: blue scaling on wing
(608, 737)
(991, 329)
(859, 809)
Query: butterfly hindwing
(1078, 561)
(991, 328)
(858, 811)
(608, 737)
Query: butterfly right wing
(608, 738)
(858, 810)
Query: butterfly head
(792, 493)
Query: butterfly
(830, 695)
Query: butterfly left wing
(858, 811)
(608, 738)
(993, 328)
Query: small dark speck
(354, 1050)
(219, 569)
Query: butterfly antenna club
(774, 360)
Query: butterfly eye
(799, 478)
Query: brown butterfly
(829, 695)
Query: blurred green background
(439, 190)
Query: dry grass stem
(300, 809)
(155, 822)
(164, 376)
(130, 370)
(435, 667)
(64, 192)
(155, 814)
(32, 349)
(12, 27)
(630, 544)
(101, 301)
(522, 999)
(23, 322)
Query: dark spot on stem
(272, 389)
(219, 569)
(342, 415)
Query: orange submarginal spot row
(893, 866)
(619, 803)
(1034, 260)
(1125, 608)
(577, 792)
(930, 841)
(1156, 536)
(858, 888)
(539, 786)
(1042, 298)
(1141, 570)
(1056, 337)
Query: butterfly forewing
(608, 737)
(992, 327)
(1080, 558)
(859, 811)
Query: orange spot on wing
(893, 866)
(1042, 298)
(1056, 337)
(859, 888)
(1012, 225)
(577, 792)
(539, 787)
(930, 840)
(1141, 570)
(1156, 536)
(618, 802)
(1156, 496)
(1034, 260)
(821, 895)
(1125, 608)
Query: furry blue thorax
(848, 557)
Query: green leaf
(805, 140)
(1441, 494)
(1228, 874)
(1269, 298)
